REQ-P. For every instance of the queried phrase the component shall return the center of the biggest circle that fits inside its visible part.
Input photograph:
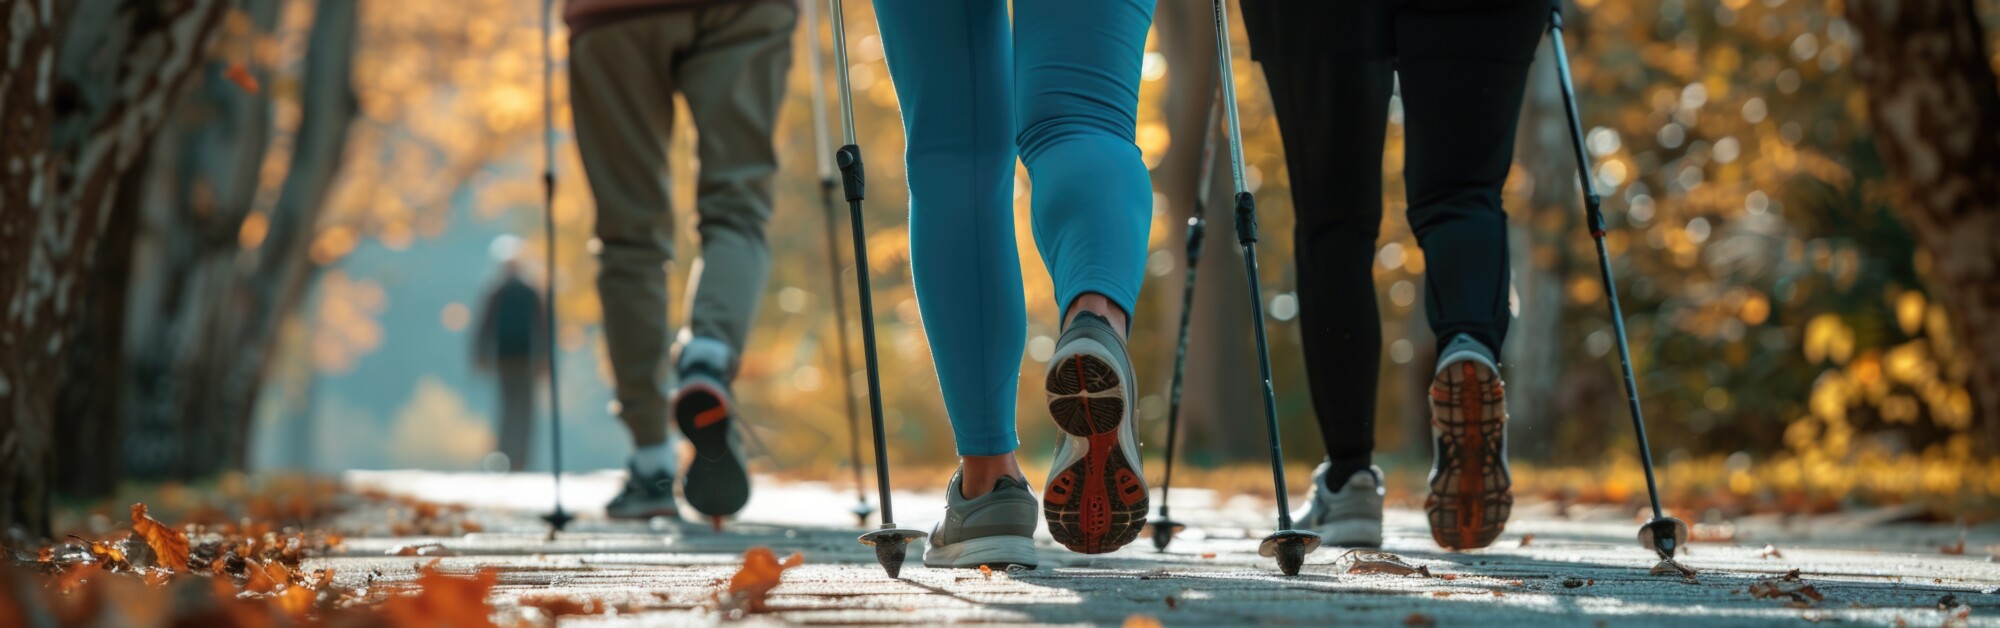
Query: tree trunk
(202, 187)
(1216, 390)
(263, 297)
(1934, 104)
(82, 89)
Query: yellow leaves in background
(347, 326)
(1827, 338)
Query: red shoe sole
(1099, 503)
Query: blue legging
(1063, 86)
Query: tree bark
(1216, 390)
(202, 186)
(1934, 104)
(83, 86)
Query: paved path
(1583, 569)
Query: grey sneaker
(1471, 489)
(996, 529)
(1096, 497)
(1351, 517)
(645, 496)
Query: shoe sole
(716, 484)
(995, 552)
(1098, 504)
(1471, 490)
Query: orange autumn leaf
(297, 602)
(170, 546)
(241, 76)
(1141, 621)
(761, 572)
(986, 571)
(444, 600)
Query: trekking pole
(890, 542)
(557, 518)
(1164, 526)
(1287, 545)
(1664, 535)
(827, 185)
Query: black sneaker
(717, 484)
(645, 496)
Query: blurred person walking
(507, 344)
(1460, 68)
(727, 59)
(1060, 89)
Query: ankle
(978, 473)
(1339, 470)
(1102, 306)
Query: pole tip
(1290, 548)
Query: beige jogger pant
(729, 63)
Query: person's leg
(517, 408)
(1076, 76)
(624, 111)
(733, 78)
(1330, 76)
(1332, 104)
(1464, 66)
(950, 62)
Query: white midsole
(992, 550)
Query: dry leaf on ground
(761, 572)
(1798, 592)
(1141, 621)
(170, 546)
(1770, 551)
(1526, 539)
(443, 600)
(1366, 561)
(1419, 619)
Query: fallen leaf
(1173, 604)
(1526, 539)
(1141, 621)
(1365, 561)
(443, 599)
(1671, 568)
(1796, 592)
(1448, 576)
(1770, 551)
(986, 571)
(1956, 549)
(1208, 554)
(1419, 619)
(241, 76)
(170, 546)
(761, 572)
(1791, 576)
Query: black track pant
(1331, 65)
